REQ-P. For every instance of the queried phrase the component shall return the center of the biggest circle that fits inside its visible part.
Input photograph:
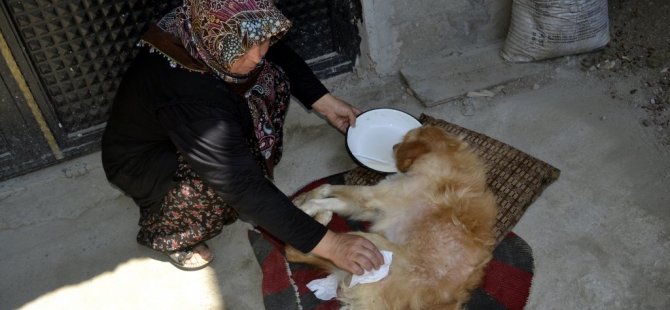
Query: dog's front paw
(324, 217)
(322, 191)
(318, 209)
(300, 199)
(310, 206)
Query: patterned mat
(506, 283)
(516, 178)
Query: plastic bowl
(377, 131)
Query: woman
(196, 128)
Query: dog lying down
(436, 215)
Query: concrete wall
(396, 31)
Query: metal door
(69, 57)
(22, 145)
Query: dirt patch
(639, 48)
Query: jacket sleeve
(218, 151)
(305, 86)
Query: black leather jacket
(160, 109)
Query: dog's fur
(436, 216)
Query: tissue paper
(326, 288)
(375, 275)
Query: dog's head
(423, 140)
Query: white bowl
(377, 131)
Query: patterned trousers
(190, 213)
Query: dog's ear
(406, 153)
(440, 138)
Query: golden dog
(436, 216)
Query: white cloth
(375, 275)
(326, 288)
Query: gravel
(639, 48)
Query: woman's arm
(305, 86)
(214, 144)
(339, 114)
(310, 91)
(218, 152)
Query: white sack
(542, 29)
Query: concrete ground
(599, 233)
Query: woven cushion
(515, 177)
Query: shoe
(180, 258)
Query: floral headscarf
(219, 32)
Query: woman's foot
(193, 258)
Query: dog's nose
(395, 146)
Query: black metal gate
(63, 60)
(22, 146)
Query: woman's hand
(350, 252)
(337, 112)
